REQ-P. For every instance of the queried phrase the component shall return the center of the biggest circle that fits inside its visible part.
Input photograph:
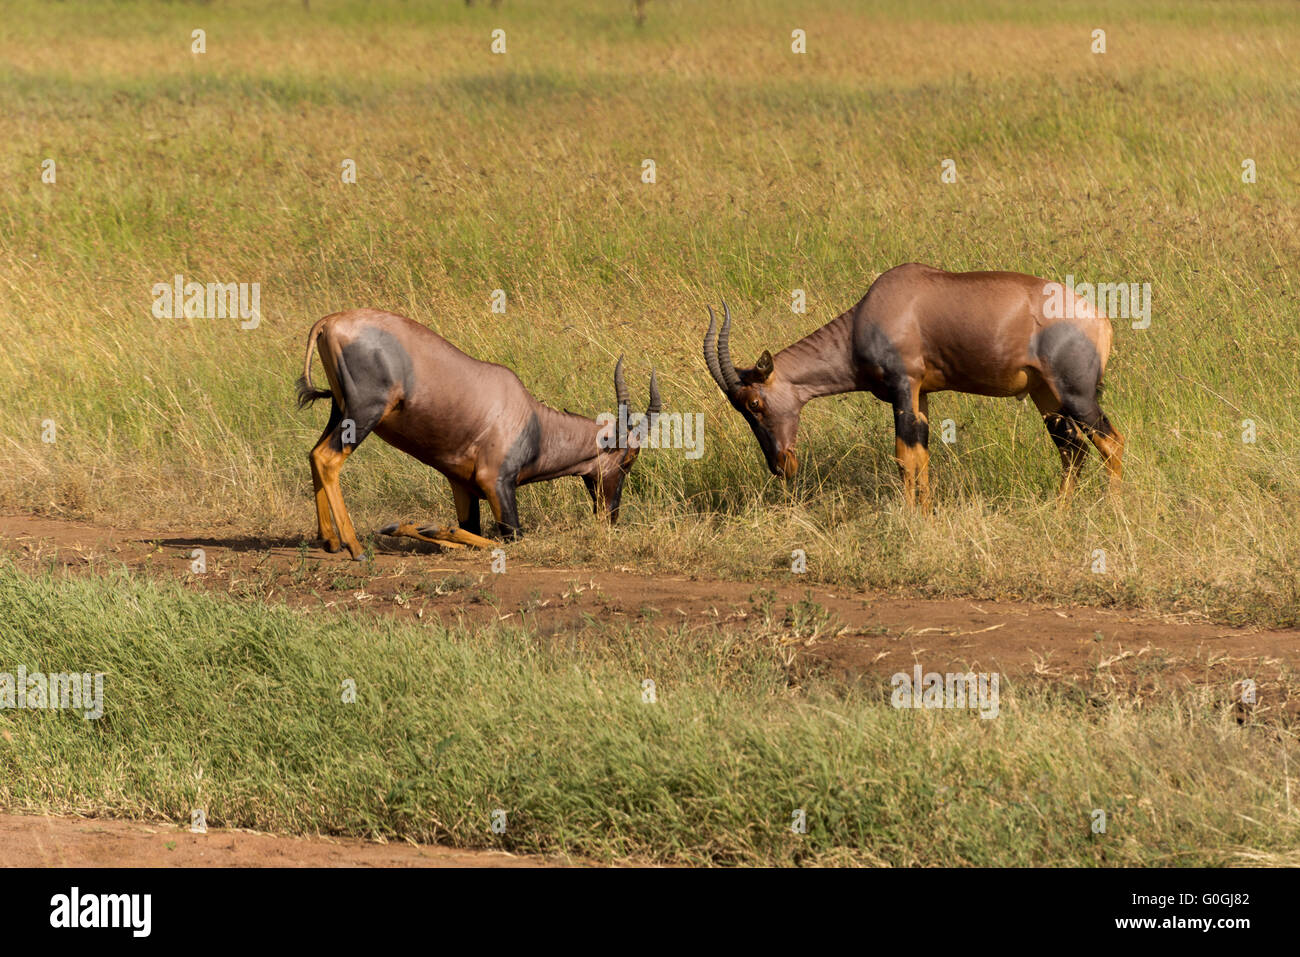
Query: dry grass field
(774, 171)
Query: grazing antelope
(920, 330)
(472, 421)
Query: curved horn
(656, 406)
(711, 352)
(620, 387)
(724, 352)
(711, 356)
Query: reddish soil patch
(35, 841)
(857, 633)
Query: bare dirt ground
(38, 841)
(867, 633)
(847, 634)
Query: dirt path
(38, 841)
(851, 633)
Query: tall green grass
(237, 710)
(775, 172)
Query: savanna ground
(775, 171)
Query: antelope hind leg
(1111, 446)
(911, 444)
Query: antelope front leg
(499, 490)
(508, 515)
(467, 510)
(437, 535)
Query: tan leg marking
(324, 522)
(921, 403)
(914, 460)
(908, 462)
(329, 463)
(439, 535)
(1111, 448)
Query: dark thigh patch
(371, 366)
(1070, 361)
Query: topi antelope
(920, 330)
(472, 421)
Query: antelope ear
(764, 365)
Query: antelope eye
(754, 405)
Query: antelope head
(620, 446)
(768, 403)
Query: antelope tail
(307, 393)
